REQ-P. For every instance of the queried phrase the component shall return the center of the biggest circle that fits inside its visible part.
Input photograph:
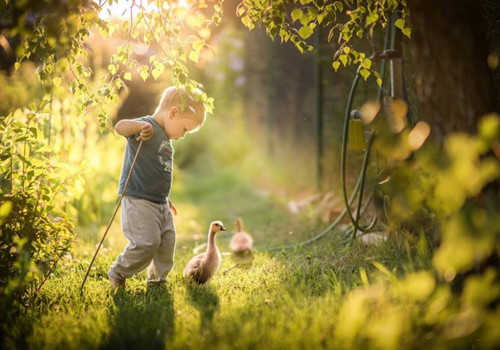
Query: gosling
(202, 267)
(242, 242)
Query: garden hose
(112, 217)
(345, 135)
(387, 54)
(363, 175)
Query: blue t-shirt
(151, 177)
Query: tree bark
(454, 84)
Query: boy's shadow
(142, 319)
(205, 299)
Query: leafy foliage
(347, 20)
(58, 36)
(453, 195)
(35, 233)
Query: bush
(456, 303)
(35, 232)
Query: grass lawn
(317, 296)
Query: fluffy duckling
(202, 267)
(241, 242)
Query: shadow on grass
(243, 260)
(142, 319)
(205, 300)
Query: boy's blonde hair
(179, 97)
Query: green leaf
(367, 63)
(57, 81)
(305, 32)
(336, 65)
(144, 74)
(34, 132)
(383, 269)
(194, 56)
(159, 66)
(372, 18)
(198, 45)
(156, 73)
(312, 12)
(296, 14)
(489, 128)
(5, 209)
(247, 21)
(343, 59)
(20, 139)
(378, 78)
(127, 76)
(400, 23)
(305, 19)
(284, 34)
(112, 68)
(364, 277)
(365, 73)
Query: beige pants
(150, 229)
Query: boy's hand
(172, 208)
(146, 132)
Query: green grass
(313, 297)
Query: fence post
(319, 110)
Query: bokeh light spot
(418, 135)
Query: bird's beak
(222, 228)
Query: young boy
(146, 213)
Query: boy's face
(178, 124)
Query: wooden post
(319, 111)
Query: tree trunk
(454, 84)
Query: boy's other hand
(146, 132)
(172, 208)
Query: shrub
(35, 232)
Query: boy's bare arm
(130, 127)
